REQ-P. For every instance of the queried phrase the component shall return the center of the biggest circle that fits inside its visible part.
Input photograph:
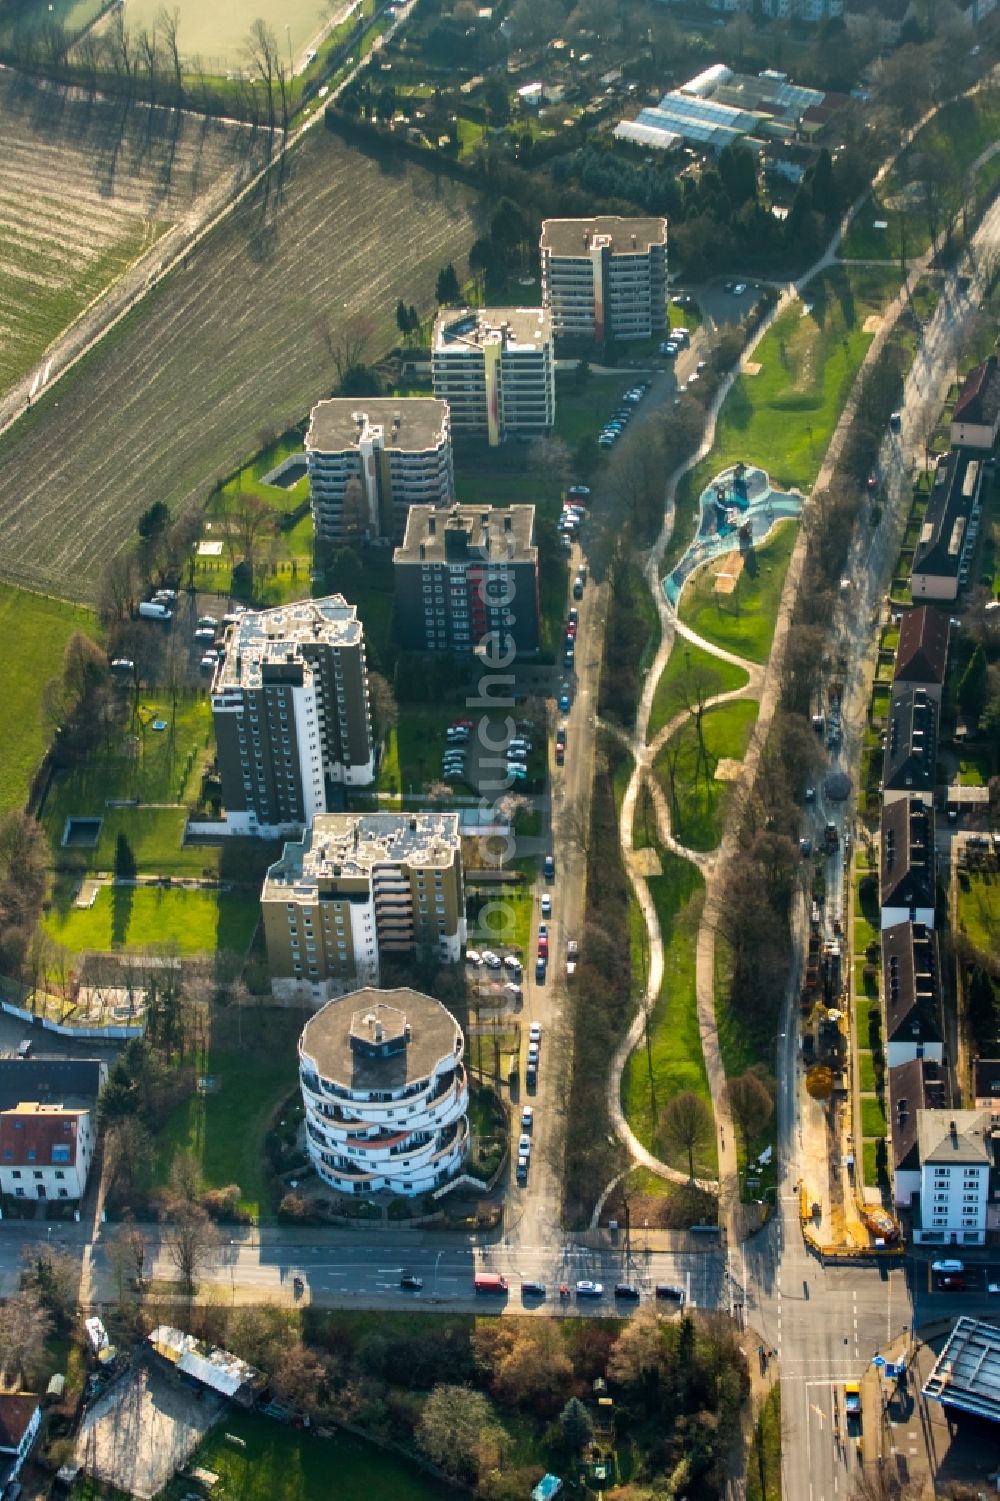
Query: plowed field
(241, 337)
(85, 187)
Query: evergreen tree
(577, 1427)
(447, 288)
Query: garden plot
(85, 188)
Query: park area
(85, 189)
(697, 768)
(740, 617)
(782, 409)
(927, 182)
(250, 340)
(671, 1063)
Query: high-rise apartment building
(385, 1092)
(371, 458)
(605, 278)
(290, 705)
(358, 886)
(468, 576)
(496, 370)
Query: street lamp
(437, 1262)
(232, 1273)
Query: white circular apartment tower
(385, 1092)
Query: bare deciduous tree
(687, 1125)
(191, 1242)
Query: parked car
(533, 1051)
(533, 1289)
(522, 1170)
(670, 1292)
(546, 904)
(512, 963)
(473, 956)
(541, 965)
(535, 1032)
(948, 1266)
(549, 867)
(627, 1291)
(491, 960)
(564, 699)
(410, 1283)
(524, 1145)
(587, 1289)
(527, 1118)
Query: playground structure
(737, 510)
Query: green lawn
(872, 1117)
(866, 1071)
(979, 909)
(698, 811)
(869, 1158)
(226, 1128)
(764, 1458)
(691, 674)
(365, 578)
(675, 1041)
(504, 918)
(149, 917)
(288, 551)
(35, 632)
(783, 417)
(742, 622)
(958, 134)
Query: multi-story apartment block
(914, 1025)
(956, 1156)
(468, 576)
(907, 871)
(290, 704)
(48, 1126)
(371, 458)
(909, 763)
(385, 1092)
(943, 554)
(605, 278)
(358, 886)
(496, 370)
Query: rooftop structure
(922, 653)
(51, 1081)
(909, 764)
(986, 1085)
(956, 1159)
(966, 1375)
(360, 1058)
(907, 878)
(265, 639)
(20, 1420)
(718, 108)
(911, 989)
(217, 1369)
(916, 1085)
(944, 547)
(975, 418)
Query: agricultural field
(85, 189)
(245, 335)
(35, 632)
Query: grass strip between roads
(673, 1062)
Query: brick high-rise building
(465, 575)
(290, 704)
